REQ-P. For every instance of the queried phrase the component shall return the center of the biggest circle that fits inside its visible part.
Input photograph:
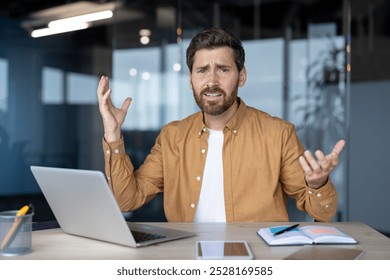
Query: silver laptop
(84, 205)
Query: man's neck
(219, 122)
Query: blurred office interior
(321, 65)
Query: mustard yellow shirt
(260, 165)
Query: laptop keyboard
(143, 236)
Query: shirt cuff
(325, 195)
(114, 148)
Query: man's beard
(215, 108)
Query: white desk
(55, 244)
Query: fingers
(318, 170)
(103, 92)
(339, 147)
(311, 162)
(105, 99)
(305, 165)
(311, 165)
(126, 104)
(333, 157)
(103, 85)
(106, 107)
(327, 162)
(324, 163)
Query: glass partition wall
(297, 57)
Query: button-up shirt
(260, 167)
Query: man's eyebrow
(203, 67)
(224, 66)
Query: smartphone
(223, 250)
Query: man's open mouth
(213, 94)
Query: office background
(323, 65)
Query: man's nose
(212, 79)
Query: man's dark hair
(215, 38)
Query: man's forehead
(221, 54)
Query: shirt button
(318, 195)
(204, 129)
(108, 178)
(192, 205)
(198, 178)
(107, 152)
(310, 192)
(116, 151)
(203, 151)
(327, 206)
(235, 131)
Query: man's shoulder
(265, 119)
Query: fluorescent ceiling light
(71, 24)
(57, 30)
(81, 18)
(82, 12)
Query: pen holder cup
(15, 233)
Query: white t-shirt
(211, 205)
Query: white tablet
(223, 250)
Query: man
(227, 163)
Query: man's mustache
(214, 89)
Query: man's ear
(190, 80)
(242, 77)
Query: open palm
(112, 116)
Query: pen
(15, 227)
(285, 230)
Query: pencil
(13, 229)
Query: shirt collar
(233, 124)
